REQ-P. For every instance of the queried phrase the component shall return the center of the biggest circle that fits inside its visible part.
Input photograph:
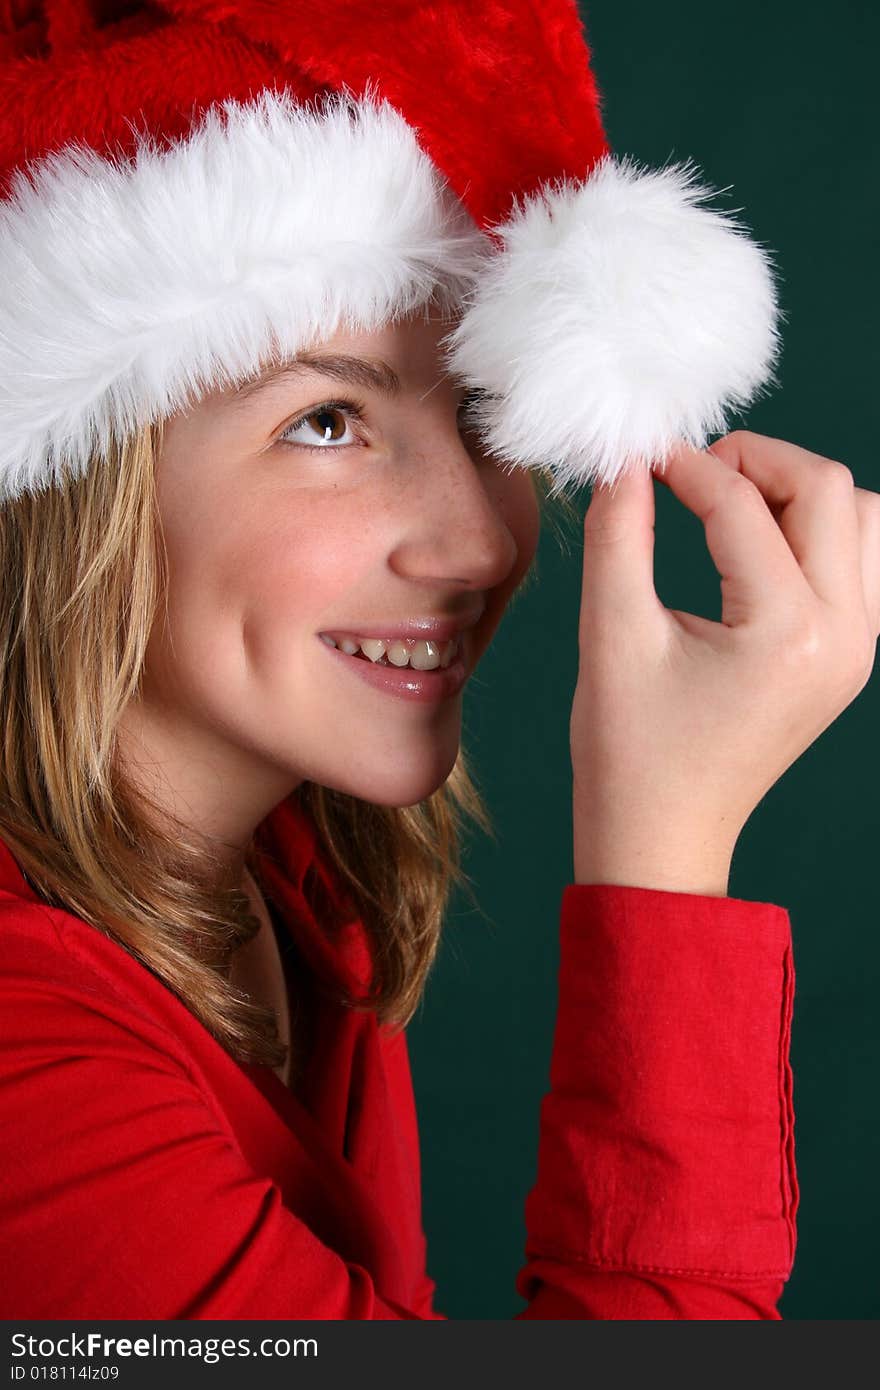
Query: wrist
(707, 874)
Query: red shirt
(147, 1174)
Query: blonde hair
(83, 574)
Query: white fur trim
(131, 288)
(619, 317)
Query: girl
(241, 596)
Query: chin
(405, 785)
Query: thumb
(618, 560)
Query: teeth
(373, 647)
(423, 655)
(398, 653)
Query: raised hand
(680, 725)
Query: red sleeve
(666, 1184)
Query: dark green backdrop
(774, 100)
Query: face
(313, 505)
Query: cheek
(302, 568)
(259, 574)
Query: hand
(680, 725)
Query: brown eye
(328, 423)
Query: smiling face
(391, 515)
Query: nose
(453, 528)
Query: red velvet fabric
(146, 1174)
(521, 106)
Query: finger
(868, 511)
(811, 498)
(618, 559)
(758, 571)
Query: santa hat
(193, 188)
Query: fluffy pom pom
(619, 317)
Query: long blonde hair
(83, 574)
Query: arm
(666, 1185)
(666, 1172)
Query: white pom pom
(618, 317)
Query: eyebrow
(372, 373)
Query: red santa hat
(194, 188)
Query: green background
(774, 101)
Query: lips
(408, 629)
(404, 682)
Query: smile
(403, 680)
